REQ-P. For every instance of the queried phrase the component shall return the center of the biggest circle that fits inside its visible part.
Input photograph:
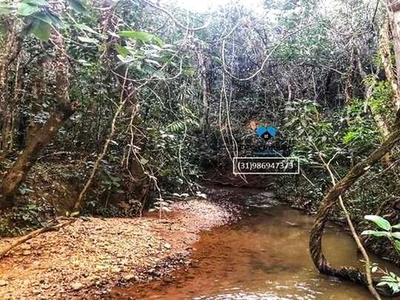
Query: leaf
(397, 245)
(154, 62)
(379, 221)
(396, 226)
(40, 29)
(217, 60)
(77, 5)
(349, 137)
(176, 126)
(396, 235)
(143, 161)
(189, 72)
(88, 40)
(382, 283)
(127, 59)
(389, 278)
(85, 28)
(6, 9)
(159, 75)
(145, 37)
(25, 9)
(46, 17)
(122, 50)
(42, 17)
(55, 19)
(375, 233)
(36, 2)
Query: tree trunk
(331, 198)
(37, 92)
(386, 58)
(205, 90)
(8, 53)
(329, 202)
(9, 120)
(383, 127)
(16, 175)
(42, 137)
(394, 17)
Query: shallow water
(264, 256)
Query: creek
(263, 256)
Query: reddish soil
(87, 258)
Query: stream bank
(92, 255)
(262, 256)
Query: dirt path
(86, 259)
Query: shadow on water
(264, 256)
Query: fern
(179, 125)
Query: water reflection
(261, 257)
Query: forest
(127, 127)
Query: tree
(330, 200)
(38, 141)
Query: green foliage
(77, 5)
(380, 101)
(144, 37)
(361, 137)
(386, 230)
(392, 281)
(170, 127)
(22, 219)
(309, 130)
(112, 184)
(38, 16)
(379, 221)
(6, 9)
(312, 43)
(41, 29)
(88, 40)
(182, 125)
(146, 60)
(306, 57)
(361, 133)
(25, 9)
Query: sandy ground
(87, 258)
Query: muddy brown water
(263, 256)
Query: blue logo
(266, 132)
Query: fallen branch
(33, 234)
